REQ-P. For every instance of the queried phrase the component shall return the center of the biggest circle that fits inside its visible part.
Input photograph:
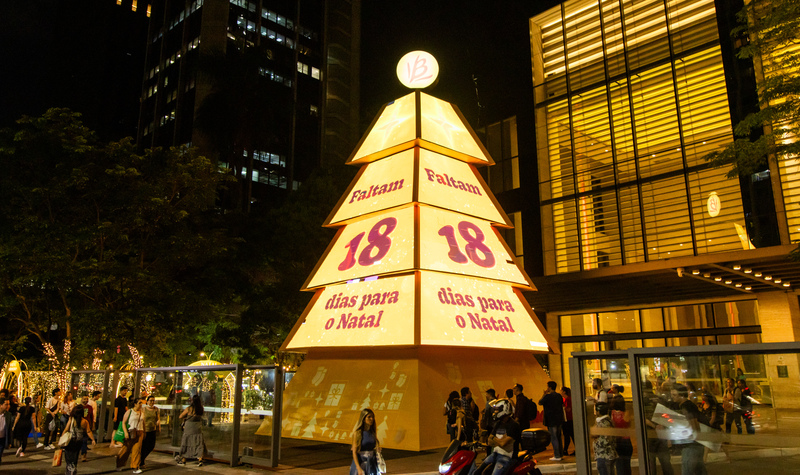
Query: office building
(642, 243)
(300, 111)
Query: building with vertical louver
(642, 243)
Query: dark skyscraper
(278, 96)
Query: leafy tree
(109, 245)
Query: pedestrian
(88, 416)
(95, 408)
(732, 405)
(6, 423)
(37, 417)
(691, 451)
(152, 426)
(601, 394)
(133, 427)
(621, 420)
(366, 445)
(746, 405)
(486, 414)
(65, 409)
(451, 407)
(52, 420)
(567, 428)
(553, 408)
(712, 410)
(193, 446)
(503, 440)
(23, 424)
(521, 411)
(605, 448)
(120, 408)
(657, 447)
(471, 413)
(510, 397)
(80, 428)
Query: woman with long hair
(567, 428)
(23, 424)
(133, 428)
(78, 426)
(193, 446)
(66, 406)
(365, 445)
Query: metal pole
(102, 413)
(237, 415)
(582, 463)
(638, 417)
(277, 406)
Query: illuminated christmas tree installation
(418, 294)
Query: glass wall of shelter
(239, 405)
(694, 409)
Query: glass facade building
(629, 97)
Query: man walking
(120, 406)
(553, 407)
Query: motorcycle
(459, 458)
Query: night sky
(484, 38)
(487, 39)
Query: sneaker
(39, 445)
(200, 463)
(49, 447)
(138, 470)
(18, 451)
(181, 462)
(555, 459)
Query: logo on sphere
(417, 70)
(714, 204)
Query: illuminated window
(621, 169)
(119, 2)
(149, 8)
(133, 5)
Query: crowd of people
(465, 420)
(136, 423)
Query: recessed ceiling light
(718, 279)
(777, 281)
(729, 282)
(787, 284)
(737, 267)
(696, 272)
(757, 274)
(748, 271)
(747, 288)
(738, 284)
(707, 275)
(767, 277)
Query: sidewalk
(299, 457)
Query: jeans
(569, 434)
(604, 466)
(692, 460)
(555, 439)
(659, 449)
(501, 464)
(730, 417)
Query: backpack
(531, 410)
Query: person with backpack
(553, 407)
(522, 410)
(746, 405)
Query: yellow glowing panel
(382, 185)
(458, 311)
(373, 313)
(443, 126)
(453, 184)
(378, 245)
(452, 242)
(396, 125)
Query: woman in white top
(65, 408)
(133, 426)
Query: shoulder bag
(381, 462)
(67, 436)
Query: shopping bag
(119, 435)
(57, 457)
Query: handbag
(52, 425)
(381, 462)
(57, 457)
(67, 436)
